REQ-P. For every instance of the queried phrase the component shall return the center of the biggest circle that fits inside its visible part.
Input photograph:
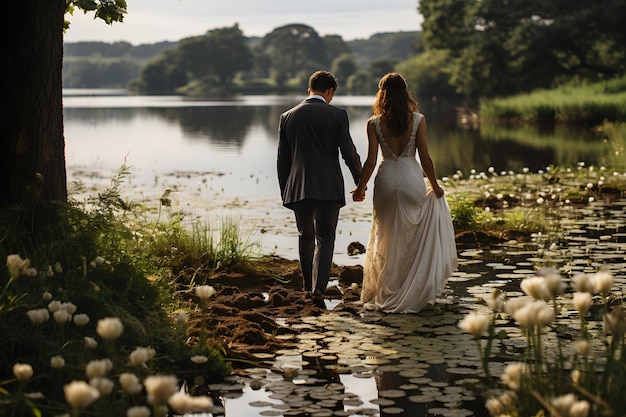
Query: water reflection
(226, 127)
(230, 124)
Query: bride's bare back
(397, 144)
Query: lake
(218, 157)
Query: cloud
(151, 21)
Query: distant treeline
(224, 61)
(466, 52)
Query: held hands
(358, 194)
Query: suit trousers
(317, 225)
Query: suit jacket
(310, 137)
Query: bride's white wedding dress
(411, 251)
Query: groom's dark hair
(321, 81)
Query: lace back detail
(410, 146)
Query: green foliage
(397, 46)
(580, 103)
(162, 75)
(465, 214)
(89, 258)
(498, 49)
(221, 53)
(293, 53)
(428, 75)
(108, 10)
(343, 67)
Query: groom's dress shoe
(318, 294)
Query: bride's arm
(370, 163)
(427, 162)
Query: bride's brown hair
(394, 100)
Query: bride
(411, 251)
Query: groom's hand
(358, 195)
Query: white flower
(575, 375)
(57, 362)
(98, 368)
(79, 394)
(185, 403)
(141, 355)
(38, 316)
(58, 267)
(199, 359)
(579, 409)
(582, 302)
(354, 286)
(17, 266)
(99, 260)
(47, 296)
(102, 384)
(81, 320)
(54, 306)
(160, 388)
(138, 411)
(90, 342)
(563, 403)
(62, 316)
(69, 307)
(494, 407)
(583, 347)
(512, 375)
(534, 314)
(130, 383)
(475, 324)
(205, 291)
(553, 281)
(110, 328)
(602, 282)
(514, 304)
(582, 283)
(22, 371)
(536, 287)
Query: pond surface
(373, 364)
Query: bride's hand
(438, 191)
(358, 195)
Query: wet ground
(336, 359)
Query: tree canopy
(501, 47)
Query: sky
(151, 21)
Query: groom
(310, 137)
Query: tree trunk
(32, 146)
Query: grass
(101, 259)
(580, 103)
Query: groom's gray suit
(311, 136)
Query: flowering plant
(586, 377)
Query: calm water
(219, 157)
